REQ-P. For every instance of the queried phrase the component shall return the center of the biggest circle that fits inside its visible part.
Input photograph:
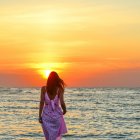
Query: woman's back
(53, 95)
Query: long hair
(54, 82)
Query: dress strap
(46, 93)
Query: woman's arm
(62, 102)
(42, 99)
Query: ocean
(93, 114)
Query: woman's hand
(40, 119)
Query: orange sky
(88, 42)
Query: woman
(50, 113)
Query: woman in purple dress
(50, 113)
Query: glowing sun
(46, 73)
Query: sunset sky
(90, 43)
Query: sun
(44, 69)
(46, 73)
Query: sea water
(92, 114)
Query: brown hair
(54, 82)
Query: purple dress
(53, 123)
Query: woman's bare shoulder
(43, 88)
(60, 92)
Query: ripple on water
(93, 114)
